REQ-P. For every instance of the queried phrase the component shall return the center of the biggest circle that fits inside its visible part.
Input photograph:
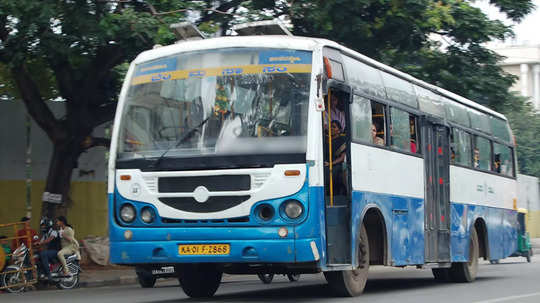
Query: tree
(77, 50)
(74, 50)
(525, 124)
(441, 42)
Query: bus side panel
(394, 183)
(501, 230)
(495, 231)
(510, 232)
(459, 235)
(404, 220)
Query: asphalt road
(513, 280)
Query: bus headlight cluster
(147, 215)
(265, 212)
(293, 209)
(127, 213)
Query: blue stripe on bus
(404, 219)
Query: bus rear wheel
(466, 271)
(351, 283)
(199, 280)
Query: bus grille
(212, 183)
(213, 204)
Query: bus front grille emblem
(201, 194)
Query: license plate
(163, 270)
(204, 249)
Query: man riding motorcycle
(50, 241)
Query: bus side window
(502, 159)
(367, 116)
(402, 133)
(482, 153)
(415, 142)
(378, 136)
(460, 147)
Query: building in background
(523, 61)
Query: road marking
(509, 298)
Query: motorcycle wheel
(70, 282)
(266, 278)
(12, 278)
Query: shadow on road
(322, 292)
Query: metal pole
(28, 166)
(330, 151)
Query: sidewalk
(96, 275)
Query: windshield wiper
(187, 136)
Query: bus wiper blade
(187, 136)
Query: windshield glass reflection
(225, 102)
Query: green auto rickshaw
(524, 243)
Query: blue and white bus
(220, 155)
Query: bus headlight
(147, 215)
(127, 213)
(293, 209)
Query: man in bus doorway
(339, 146)
(335, 112)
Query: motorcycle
(20, 274)
(59, 279)
(22, 270)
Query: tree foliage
(72, 50)
(525, 124)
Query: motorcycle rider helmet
(45, 224)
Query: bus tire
(466, 271)
(351, 283)
(199, 280)
(441, 274)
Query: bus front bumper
(241, 251)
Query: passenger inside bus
(339, 147)
(476, 158)
(335, 112)
(376, 139)
(412, 124)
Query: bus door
(337, 174)
(437, 197)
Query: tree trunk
(63, 161)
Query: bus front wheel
(466, 271)
(199, 280)
(350, 283)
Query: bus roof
(299, 43)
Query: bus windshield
(236, 101)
